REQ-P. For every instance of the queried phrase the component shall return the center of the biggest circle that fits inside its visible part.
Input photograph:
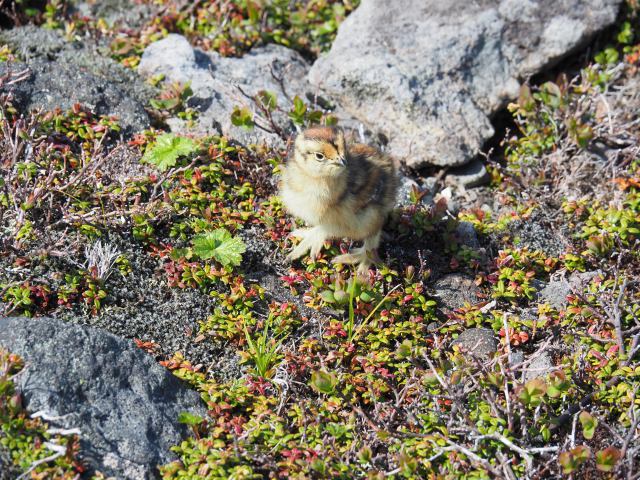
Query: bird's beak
(341, 161)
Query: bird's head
(321, 151)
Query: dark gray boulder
(124, 403)
(430, 74)
(63, 73)
(51, 85)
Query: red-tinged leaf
(146, 346)
(570, 461)
(612, 351)
(606, 459)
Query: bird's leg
(371, 245)
(311, 239)
(370, 254)
(365, 256)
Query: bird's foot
(302, 247)
(355, 255)
(300, 233)
(364, 258)
(312, 241)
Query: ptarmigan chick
(340, 191)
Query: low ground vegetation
(29, 445)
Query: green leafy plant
(571, 460)
(609, 56)
(219, 245)
(173, 97)
(166, 150)
(324, 382)
(626, 34)
(353, 331)
(268, 100)
(94, 293)
(189, 418)
(173, 101)
(532, 393)
(301, 115)
(193, 421)
(19, 297)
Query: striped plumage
(341, 191)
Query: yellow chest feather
(309, 204)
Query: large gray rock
(430, 74)
(63, 73)
(218, 82)
(124, 403)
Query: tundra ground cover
(342, 379)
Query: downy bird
(340, 191)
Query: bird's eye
(319, 156)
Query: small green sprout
(324, 382)
(243, 118)
(264, 351)
(589, 424)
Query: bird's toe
(347, 258)
(315, 250)
(299, 233)
(363, 270)
(298, 252)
